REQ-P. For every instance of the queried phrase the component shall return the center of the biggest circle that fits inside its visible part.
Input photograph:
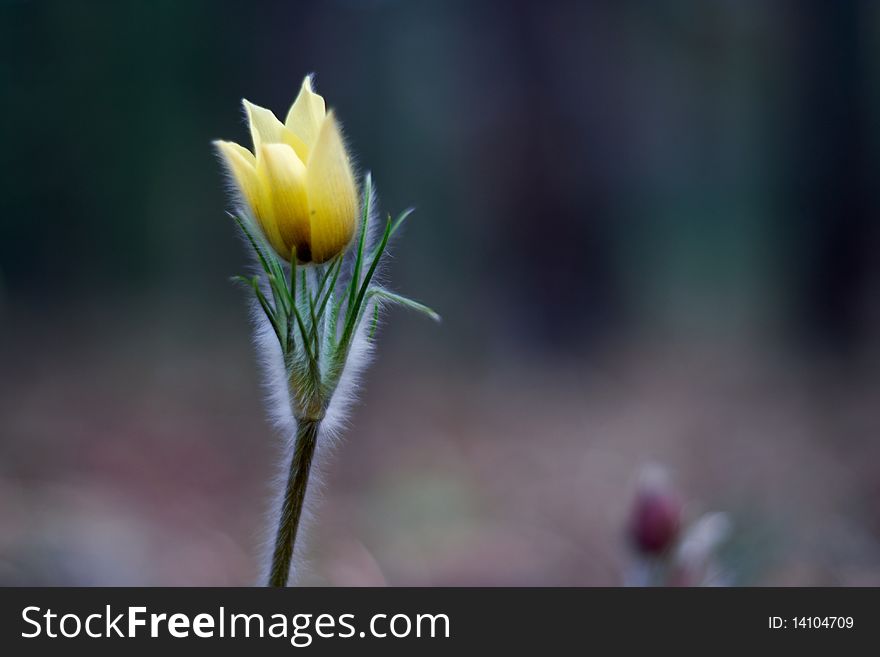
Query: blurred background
(651, 229)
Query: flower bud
(298, 182)
(655, 519)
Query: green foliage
(309, 305)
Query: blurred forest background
(651, 229)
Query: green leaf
(399, 299)
(362, 239)
(314, 318)
(328, 269)
(274, 273)
(375, 321)
(403, 216)
(337, 266)
(291, 290)
(312, 362)
(353, 314)
(253, 240)
(335, 307)
(270, 314)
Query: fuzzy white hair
(280, 408)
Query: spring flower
(656, 514)
(298, 182)
(315, 324)
(667, 551)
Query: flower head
(655, 519)
(298, 181)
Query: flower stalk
(299, 213)
(316, 318)
(294, 498)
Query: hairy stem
(294, 495)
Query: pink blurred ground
(144, 459)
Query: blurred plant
(665, 552)
(695, 558)
(656, 515)
(318, 306)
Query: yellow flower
(298, 181)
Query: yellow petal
(306, 114)
(297, 144)
(283, 183)
(332, 193)
(267, 129)
(242, 165)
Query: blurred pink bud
(656, 514)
